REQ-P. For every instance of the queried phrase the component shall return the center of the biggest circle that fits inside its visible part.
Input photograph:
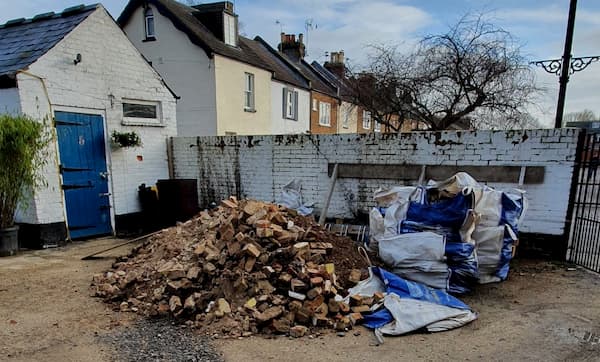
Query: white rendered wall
(185, 68)
(282, 125)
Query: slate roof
(282, 70)
(23, 41)
(317, 82)
(182, 17)
(345, 89)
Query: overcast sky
(349, 25)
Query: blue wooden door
(81, 145)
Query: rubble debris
(243, 268)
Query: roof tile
(24, 42)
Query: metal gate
(584, 241)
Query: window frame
(229, 30)
(366, 116)
(149, 15)
(249, 92)
(290, 104)
(327, 107)
(377, 127)
(142, 121)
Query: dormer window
(229, 33)
(149, 24)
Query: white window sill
(141, 122)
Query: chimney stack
(295, 50)
(336, 64)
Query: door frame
(107, 155)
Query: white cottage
(79, 71)
(229, 84)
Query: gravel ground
(160, 340)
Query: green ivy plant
(23, 154)
(126, 139)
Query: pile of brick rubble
(244, 268)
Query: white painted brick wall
(274, 160)
(111, 70)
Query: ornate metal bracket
(554, 66)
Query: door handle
(103, 175)
(104, 194)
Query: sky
(352, 25)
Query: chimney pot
(294, 49)
(332, 57)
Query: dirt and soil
(544, 311)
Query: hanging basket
(126, 139)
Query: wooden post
(329, 194)
(170, 164)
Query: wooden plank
(403, 172)
(373, 171)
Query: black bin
(178, 199)
(151, 218)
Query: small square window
(144, 113)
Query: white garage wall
(111, 70)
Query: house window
(324, 114)
(366, 120)
(249, 93)
(346, 120)
(377, 126)
(144, 113)
(149, 24)
(290, 104)
(314, 105)
(229, 32)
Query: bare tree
(475, 70)
(582, 116)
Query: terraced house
(324, 95)
(228, 84)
